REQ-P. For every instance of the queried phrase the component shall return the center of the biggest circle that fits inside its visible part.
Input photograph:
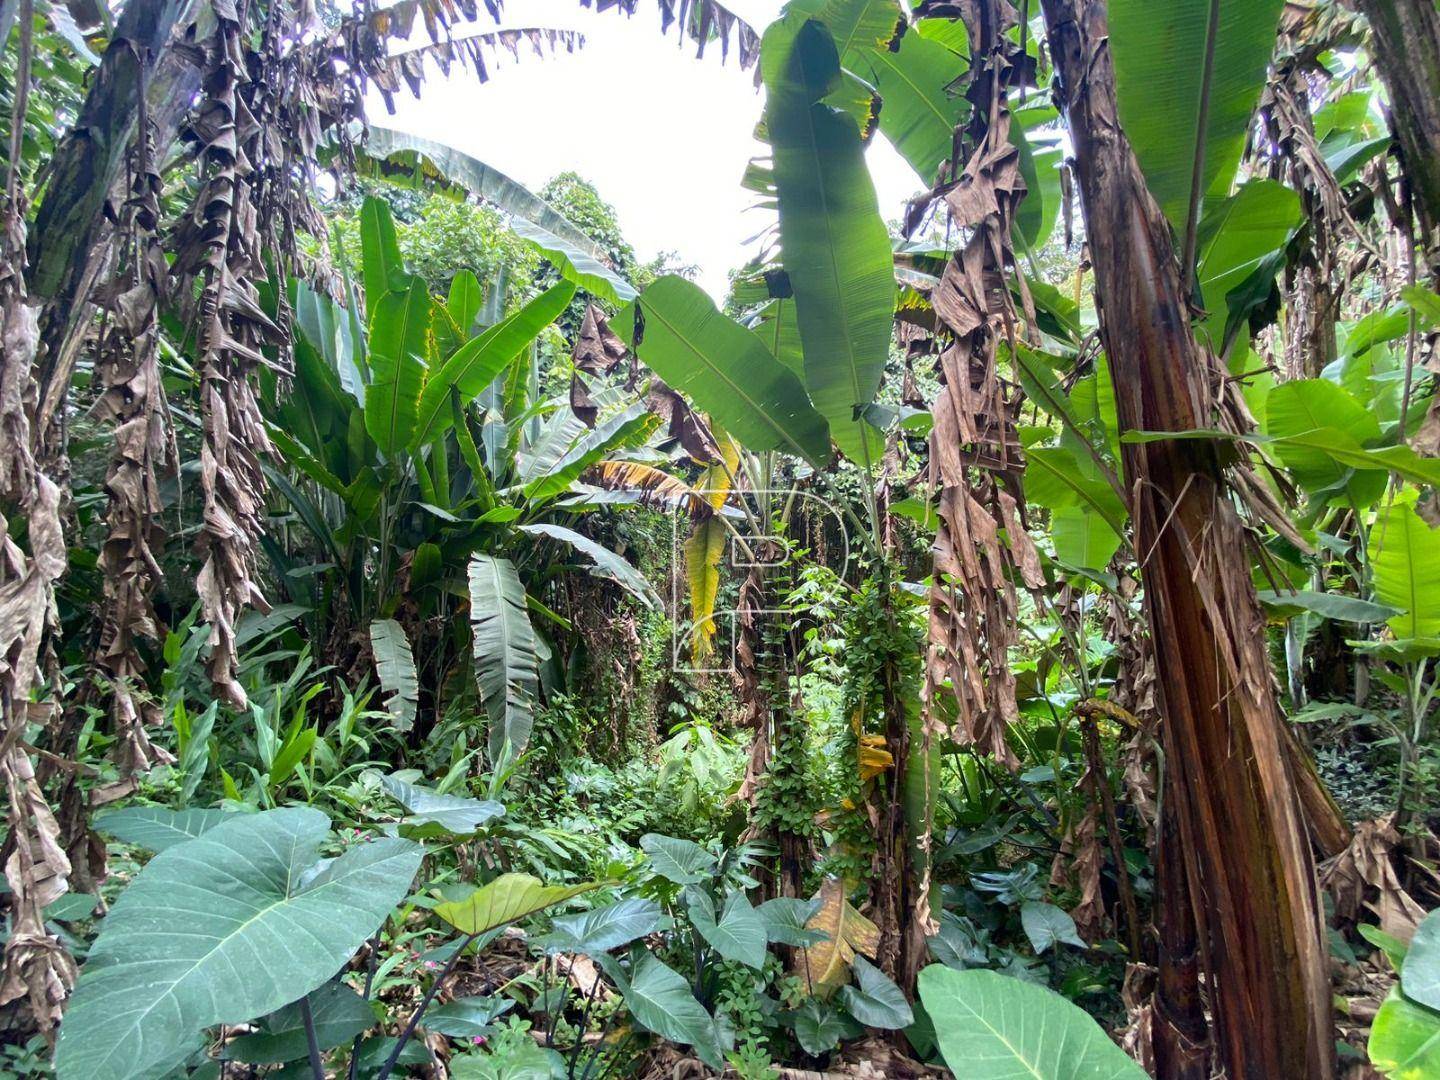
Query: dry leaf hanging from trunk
(981, 546)
(128, 370)
(1362, 879)
(36, 967)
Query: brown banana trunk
(1405, 35)
(1251, 881)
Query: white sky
(664, 137)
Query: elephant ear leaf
(825, 965)
(833, 241)
(1017, 1028)
(395, 668)
(506, 899)
(507, 658)
(158, 827)
(188, 945)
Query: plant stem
(390, 1061)
(370, 966)
(574, 1054)
(317, 1065)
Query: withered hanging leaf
(683, 424)
(655, 486)
(598, 349)
(825, 966)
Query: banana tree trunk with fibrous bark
(1241, 832)
(1405, 37)
(70, 222)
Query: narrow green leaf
(399, 341)
(476, 363)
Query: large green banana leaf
(628, 428)
(578, 258)
(395, 668)
(856, 26)
(725, 370)
(381, 267)
(1241, 247)
(507, 658)
(476, 363)
(834, 245)
(1405, 557)
(605, 563)
(919, 112)
(1159, 50)
(220, 930)
(399, 343)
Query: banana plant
(420, 456)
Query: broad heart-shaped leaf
(1305, 405)
(991, 1026)
(507, 658)
(1405, 1039)
(339, 1014)
(399, 341)
(158, 827)
(475, 364)
(604, 928)
(198, 938)
(918, 115)
(506, 899)
(453, 813)
(395, 668)
(607, 564)
(681, 861)
(465, 1018)
(739, 932)
(660, 1000)
(1420, 976)
(785, 919)
(1082, 538)
(833, 241)
(1405, 561)
(380, 264)
(825, 965)
(1047, 926)
(819, 1026)
(1159, 56)
(725, 370)
(877, 1002)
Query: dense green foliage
(436, 641)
